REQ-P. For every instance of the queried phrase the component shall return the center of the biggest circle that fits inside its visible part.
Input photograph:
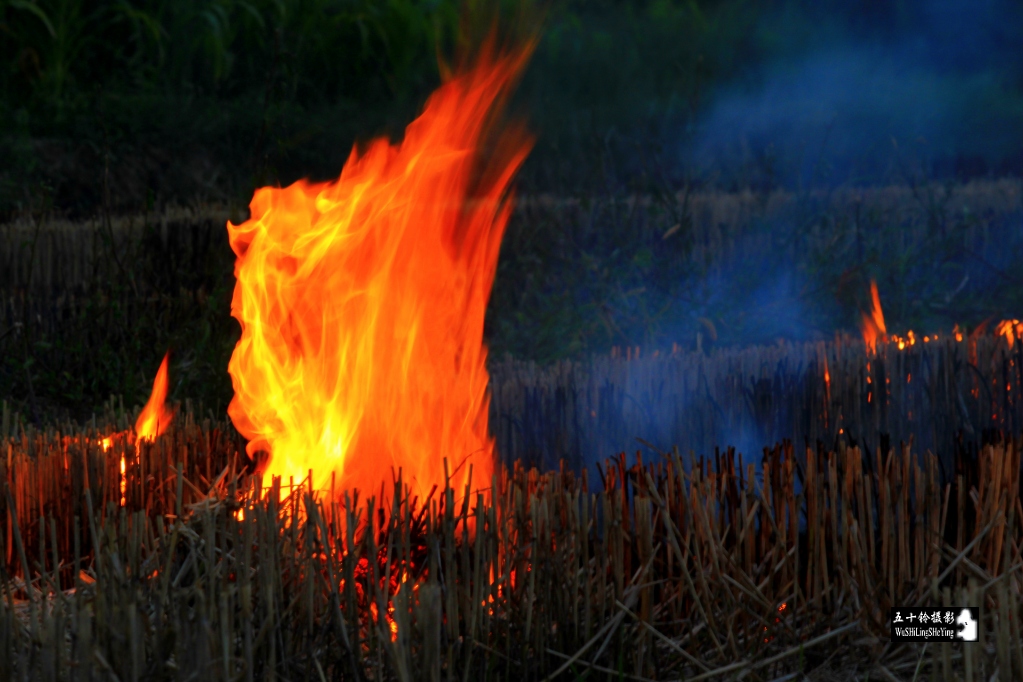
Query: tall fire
(362, 300)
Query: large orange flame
(155, 417)
(361, 301)
(873, 324)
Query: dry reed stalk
(670, 570)
(695, 401)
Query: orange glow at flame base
(362, 301)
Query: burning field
(378, 504)
(185, 566)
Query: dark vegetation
(112, 109)
(125, 105)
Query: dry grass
(88, 308)
(727, 227)
(673, 570)
(43, 255)
(39, 255)
(939, 394)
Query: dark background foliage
(129, 107)
(128, 103)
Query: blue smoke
(938, 96)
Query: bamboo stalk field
(937, 393)
(694, 512)
(188, 567)
(53, 255)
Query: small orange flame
(153, 420)
(827, 388)
(873, 324)
(362, 300)
(1011, 330)
(155, 417)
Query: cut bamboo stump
(675, 567)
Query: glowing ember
(361, 301)
(781, 608)
(873, 324)
(155, 417)
(392, 624)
